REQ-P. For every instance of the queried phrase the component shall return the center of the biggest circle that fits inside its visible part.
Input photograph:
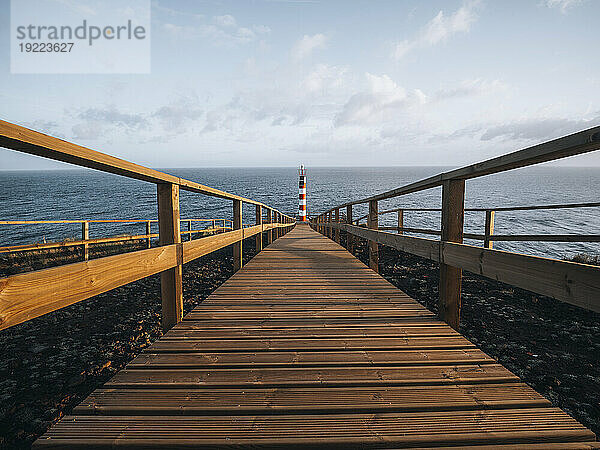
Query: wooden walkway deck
(306, 346)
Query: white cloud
(381, 96)
(305, 46)
(469, 88)
(222, 31)
(562, 5)
(225, 21)
(324, 78)
(440, 28)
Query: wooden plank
(199, 402)
(283, 431)
(306, 377)
(171, 284)
(32, 294)
(194, 345)
(347, 358)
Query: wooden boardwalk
(306, 346)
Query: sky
(326, 83)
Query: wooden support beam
(85, 235)
(453, 212)
(349, 237)
(259, 236)
(373, 224)
(169, 233)
(336, 235)
(237, 225)
(489, 228)
(270, 231)
(189, 228)
(148, 233)
(400, 221)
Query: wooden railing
(217, 226)
(574, 283)
(488, 237)
(32, 294)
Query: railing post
(189, 230)
(169, 233)
(400, 221)
(373, 224)
(148, 228)
(329, 229)
(237, 225)
(349, 236)
(336, 233)
(214, 226)
(85, 235)
(270, 231)
(453, 212)
(259, 236)
(489, 228)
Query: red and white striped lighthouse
(302, 194)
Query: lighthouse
(302, 194)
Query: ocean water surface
(88, 194)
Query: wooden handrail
(38, 222)
(32, 294)
(25, 140)
(505, 208)
(574, 144)
(574, 283)
(452, 229)
(85, 241)
(28, 295)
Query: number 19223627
(46, 47)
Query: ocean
(88, 194)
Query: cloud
(470, 88)
(562, 5)
(524, 130)
(382, 95)
(221, 31)
(324, 78)
(112, 116)
(162, 124)
(440, 28)
(87, 131)
(537, 129)
(174, 116)
(305, 46)
(225, 21)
